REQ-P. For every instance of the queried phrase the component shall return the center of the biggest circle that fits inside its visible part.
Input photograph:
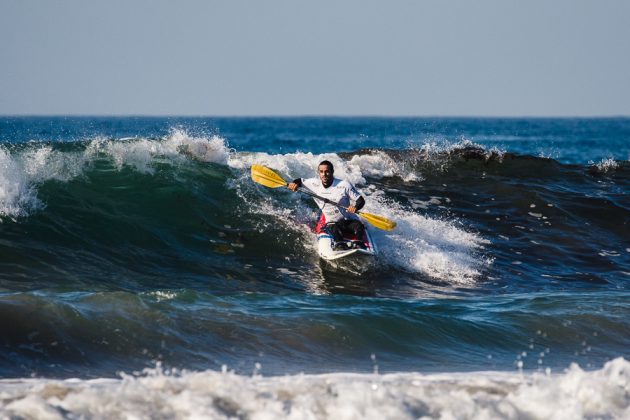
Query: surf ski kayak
(351, 246)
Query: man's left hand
(352, 209)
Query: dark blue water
(126, 241)
(565, 140)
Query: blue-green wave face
(137, 208)
(120, 250)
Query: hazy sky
(293, 57)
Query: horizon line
(332, 116)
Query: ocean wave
(574, 394)
(25, 168)
(410, 186)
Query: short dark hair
(327, 163)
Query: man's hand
(352, 209)
(293, 186)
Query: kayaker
(337, 221)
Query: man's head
(325, 171)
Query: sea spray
(18, 196)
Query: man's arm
(295, 184)
(358, 205)
(354, 195)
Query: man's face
(325, 175)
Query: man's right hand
(293, 186)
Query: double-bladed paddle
(269, 178)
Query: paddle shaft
(373, 219)
(325, 200)
(269, 178)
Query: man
(338, 221)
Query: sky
(294, 57)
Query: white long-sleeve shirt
(339, 191)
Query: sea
(143, 274)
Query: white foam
(606, 165)
(381, 165)
(438, 152)
(574, 394)
(433, 247)
(142, 154)
(44, 163)
(304, 165)
(161, 295)
(17, 195)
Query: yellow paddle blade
(267, 177)
(378, 221)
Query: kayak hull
(353, 248)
